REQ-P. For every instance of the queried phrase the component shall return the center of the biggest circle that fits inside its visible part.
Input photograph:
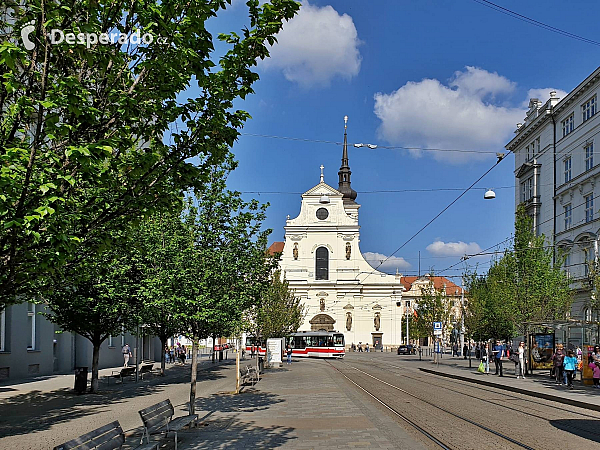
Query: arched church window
(322, 264)
(587, 315)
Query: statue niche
(348, 250)
(377, 321)
(322, 305)
(295, 251)
(349, 321)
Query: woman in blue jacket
(570, 365)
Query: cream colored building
(323, 264)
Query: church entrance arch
(321, 322)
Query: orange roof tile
(438, 283)
(276, 247)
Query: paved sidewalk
(539, 385)
(307, 405)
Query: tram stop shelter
(572, 333)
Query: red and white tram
(317, 344)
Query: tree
(160, 242)
(432, 307)
(278, 313)
(224, 263)
(522, 287)
(94, 136)
(94, 298)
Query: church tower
(344, 174)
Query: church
(322, 262)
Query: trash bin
(220, 355)
(81, 374)
(261, 364)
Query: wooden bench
(159, 416)
(146, 368)
(108, 437)
(248, 375)
(122, 373)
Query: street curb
(554, 398)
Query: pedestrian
(182, 354)
(521, 353)
(455, 350)
(126, 350)
(465, 350)
(596, 355)
(477, 351)
(288, 351)
(570, 364)
(172, 353)
(367, 347)
(558, 359)
(167, 354)
(498, 355)
(596, 374)
(485, 357)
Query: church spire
(344, 173)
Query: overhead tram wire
(534, 22)
(387, 147)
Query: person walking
(455, 350)
(288, 351)
(367, 347)
(521, 354)
(126, 350)
(570, 365)
(167, 354)
(595, 374)
(498, 355)
(465, 350)
(558, 359)
(485, 358)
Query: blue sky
(427, 73)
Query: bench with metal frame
(121, 373)
(108, 437)
(160, 416)
(146, 368)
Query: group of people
(359, 347)
(175, 353)
(498, 353)
(565, 363)
(455, 350)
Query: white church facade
(322, 262)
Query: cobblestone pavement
(305, 405)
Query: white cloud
(481, 83)
(440, 248)
(543, 95)
(393, 263)
(458, 116)
(317, 45)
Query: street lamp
(371, 146)
(489, 194)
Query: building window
(567, 163)
(589, 208)
(588, 257)
(568, 216)
(322, 264)
(3, 330)
(589, 156)
(568, 125)
(588, 109)
(527, 189)
(587, 314)
(528, 156)
(537, 146)
(110, 341)
(31, 325)
(567, 264)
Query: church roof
(275, 247)
(438, 283)
(322, 189)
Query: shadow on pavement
(585, 428)
(36, 410)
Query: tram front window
(338, 340)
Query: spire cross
(322, 167)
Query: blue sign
(437, 325)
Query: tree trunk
(194, 375)
(163, 343)
(213, 348)
(237, 367)
(95, 358)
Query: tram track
(430, 435)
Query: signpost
(437, 331)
